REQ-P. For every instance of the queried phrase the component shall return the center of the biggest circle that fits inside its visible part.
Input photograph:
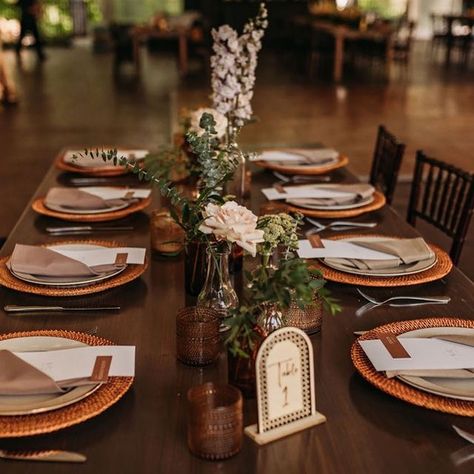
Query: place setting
(426, 362)
(74, 160)
(330, 201)
(53, 379)
(71, 268)
(376, 260)
(301, 161)
(92, 203)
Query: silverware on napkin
(47, 456)
(12, 308)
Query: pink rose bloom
(233, 223)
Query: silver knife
(12, 308)
(48, 456)
(80, 228)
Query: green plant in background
(388, 9)
(56, 21)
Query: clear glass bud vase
(218, 292)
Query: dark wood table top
(366, 432)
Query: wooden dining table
(367, 431)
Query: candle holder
(167, 237)
(215, 421)
(198, 341)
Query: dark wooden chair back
(442, 195)
(386, 163)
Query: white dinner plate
(67, 282)
(290, 158)
(404, 269)
(68, 210)
(321, 207)
(461, 389)
(14, 405)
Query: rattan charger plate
(302, 170)
(104, 397)
(396, 387)
(131, 272)
(440, 269)
(39, 207)
(377, 203)
(106, 170)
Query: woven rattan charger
(39, 207)
(104, 397)
(440, 269)
(396, 387)
(130, 273)
(302, 170)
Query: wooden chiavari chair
(442, 195)
(386, 163)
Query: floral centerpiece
(271, 291)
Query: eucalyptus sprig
(216, 165)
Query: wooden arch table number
(285, 386)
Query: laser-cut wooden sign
(285, 386)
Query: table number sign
(285, 386)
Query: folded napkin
(35, 260)
(17, 377)
(404, 251)
(74, 198)
(299, 156)
(355, 193)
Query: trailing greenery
(215, 171)
(292, 282)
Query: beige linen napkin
(34, 260)
(17, 377)
(355, 193)
(77, 199)
(404, 251)
(308, 157)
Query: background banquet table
(367, 431)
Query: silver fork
(337, 225)
(420, 300)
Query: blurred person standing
(30, 12)
(7, 89)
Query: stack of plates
(458, 388)
(401, 270)
(13, 405)
(70, 282)
(68, 210)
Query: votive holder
(308, 319)
(215, 421)
(166, 236)
(198, 340)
